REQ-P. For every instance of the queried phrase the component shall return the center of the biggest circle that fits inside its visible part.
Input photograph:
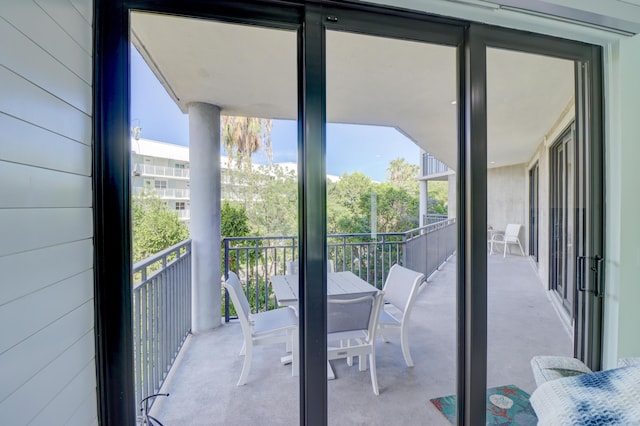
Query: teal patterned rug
(506, 405)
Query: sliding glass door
(393, 122)
(530, 98)
(389, 100)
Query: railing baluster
(161, 314)
(144, 355)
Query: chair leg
(242, 349)
(383, 336)
(362, 359)
(372, 368)
(295, 354)
(404, 340)
(505, 249)
(289, 341)
(521, 247)
(362, 363)
(345, 344)
(248, 355)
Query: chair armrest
(497, 236)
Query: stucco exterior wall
(507, 198)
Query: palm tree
(243, 136)
(402, 174)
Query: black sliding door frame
(114, 345)
(400, 26)
(589, 142)
(112, 178)
(534, 209)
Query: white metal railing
(161, 315)
(168, 193)
(162, 171)
(174, 193)
(184, 214)
(431, 165)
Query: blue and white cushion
(610, 397)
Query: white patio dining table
(285, 288)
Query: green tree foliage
(397, 208)
(271, 197)
(234, 221)
(438, 197)
(404, 175)
(347, 211)
(349, 205)
(155, 226)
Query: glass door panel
(530, 102)
(534, 211)
(563, 219)
(214, 155)
(391, 157)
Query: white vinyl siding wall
(47, 340)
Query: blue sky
(350, 148)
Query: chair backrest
(239, 300)
(354, 313)
(292, 268)
(401, 287)
(330, 267)
(512, 231)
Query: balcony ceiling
(251, 71)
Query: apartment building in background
(165, 168)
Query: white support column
(423, 201)
(204, 159)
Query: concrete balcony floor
(522, 323)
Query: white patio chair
(354, 320)
(292, 268)
(400, 290)
(264, 328)
(510, 236)
(330, 267)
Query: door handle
(580, 273)
(598, 272)
(595, 268)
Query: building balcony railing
(184, 214)
(432, 166)
(149, 170)
(429, 218)
(169, 193)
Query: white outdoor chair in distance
(510, 236)
(263, 328)
(400, 290)
(354, 320)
